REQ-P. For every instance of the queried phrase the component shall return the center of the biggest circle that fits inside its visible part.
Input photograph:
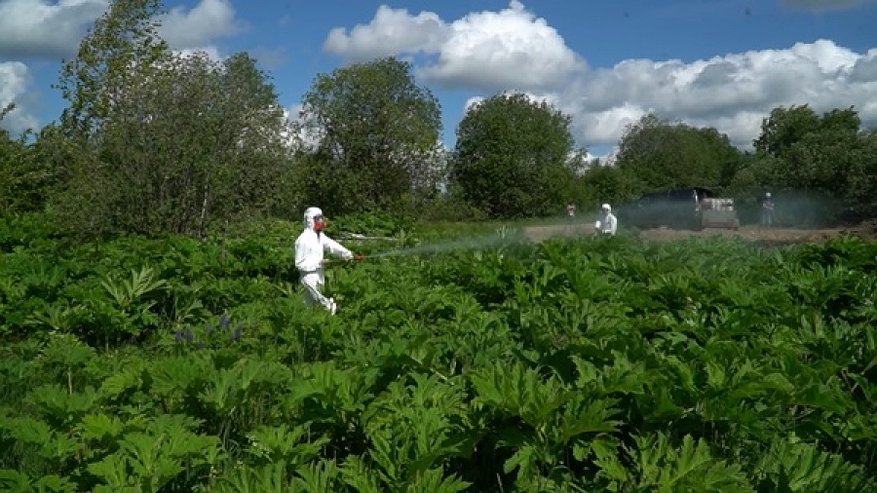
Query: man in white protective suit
(607, 223)
(309, 248)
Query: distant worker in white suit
(607, 223)
(309, 248)
(767, 208)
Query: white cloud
(535, 98)
(189, 31)
(39, 28)
(731, 93)
(865, 68)
(14, 81)
(391, 32)
(509, 49)
(53, 29)
(471, 103)
(212, 52)
(512, 49)
(208, 20)
(606, 126)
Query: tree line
(155, 142)
(823, 167)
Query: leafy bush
(593, 364)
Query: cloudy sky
(718, 63)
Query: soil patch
(767, 236)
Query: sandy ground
(754, 233)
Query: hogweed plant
(574, 365)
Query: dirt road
(753, 233)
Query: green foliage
(862, 179)
(24, 178)
(660, 155)
(608, 184)
(15, 481)
(578, 364)
(372, 224)
(142, 163)
(511, 156)
(378, 137)
(784, 128)
(661, 467)
(122, 47)
(790, 465)
(816, 163)
(473, 364)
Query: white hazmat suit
(607, 223)
(309, 248)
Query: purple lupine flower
(188, 335)
(178, 336)
(224, 321)
(237, 332)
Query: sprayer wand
(360, 258)
(357, 236)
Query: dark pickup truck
(678, 208)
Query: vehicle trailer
(716, 212)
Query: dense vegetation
(581, 365)
(155, 339)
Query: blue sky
(718, 63)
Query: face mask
(319, 223)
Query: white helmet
(606, 207)
(310, 215)
(767, 195)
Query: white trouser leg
(313, 282)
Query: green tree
(378, 136)
(512, 156)
(122, 49)
(23, 179)
(784, 128)
(819, 165)
(810, 152)
(603, 183)
(664, 155)
(168, 142)
(862, 184)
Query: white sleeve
(613, 224)
(597, 225)
(335, 248)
